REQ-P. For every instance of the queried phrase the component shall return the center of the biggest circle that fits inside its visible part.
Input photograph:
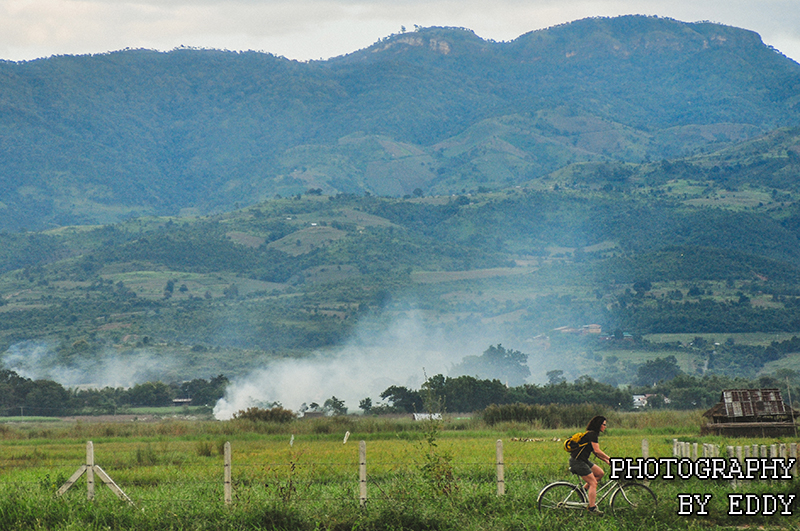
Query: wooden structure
(750, 413)
(91, 469)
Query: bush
(275, 414)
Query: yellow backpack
(574, 442)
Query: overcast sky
(319, 29)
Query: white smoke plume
(401, 355)
(36, 360)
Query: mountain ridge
(98, 139)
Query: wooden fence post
(362, 473)
(228, 490)
(645, 449)
(501, 474)
(89, 470)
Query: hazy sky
(315, 29)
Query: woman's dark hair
(595, 423)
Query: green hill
(214, 211)
(102, 138)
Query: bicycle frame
(624, 497)
(604, 489)
(603, 492)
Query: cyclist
(579, 460)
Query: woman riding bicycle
(579, 460)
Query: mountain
(102, 138)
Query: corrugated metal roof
(753, 402)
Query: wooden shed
(750, 413)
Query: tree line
(21, 396)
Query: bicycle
(627, 497)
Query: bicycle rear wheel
(561, 496)
(634, 499)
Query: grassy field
(304, 475)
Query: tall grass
(416, 479)
(519, 418)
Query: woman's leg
(591, 489)
(598, 472)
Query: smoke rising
(378, 356)
(39, 360)
(402, 354)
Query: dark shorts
(580, 467)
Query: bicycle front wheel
(633, 498)
(561, 495)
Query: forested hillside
(596, 196)
(641, 255)
(102, 138)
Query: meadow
(304, 475)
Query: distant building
(640, 401)
(181, 401)
(750, 413)
(427, 416)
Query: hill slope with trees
(594, 196)
(101, 138)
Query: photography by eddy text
(715, 468)
(711, 468)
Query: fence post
(675, 448)
(228, 488)
(645, 449)
(694, 451)
(362, 473)
(89, 470)
(501, 475)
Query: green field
(303, 475)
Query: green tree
(403, 399)
(365, 405)
(150, 394)
(496, 363)
(334, 406)
(657, 370)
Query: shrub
(275, 414)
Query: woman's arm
(601, 455)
